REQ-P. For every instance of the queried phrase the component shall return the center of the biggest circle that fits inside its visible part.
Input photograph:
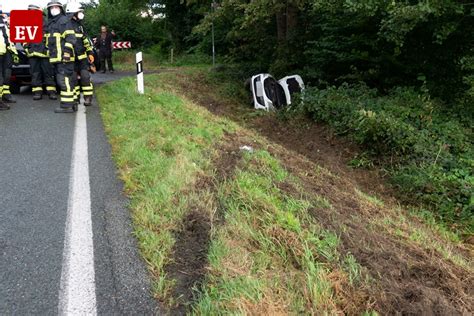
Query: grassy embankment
(267, 231)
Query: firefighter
(10, 57)
(83, 52)
(61, 40)
(4, 42)
(42, 72)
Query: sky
(9, 5)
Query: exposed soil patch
(188, 266)
(408, 280)
(229, 154)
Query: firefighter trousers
(64, 78)
(84, 84)
(42, 74)
(7, 64)
(2, 57)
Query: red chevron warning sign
(121, 45)
(117, 45)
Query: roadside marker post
(140, 82)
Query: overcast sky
(9, 5)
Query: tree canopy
(423, 43)
(384, 43)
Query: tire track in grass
(188, 266)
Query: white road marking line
(77, 290)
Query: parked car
(20, 72)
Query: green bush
(158, 52)
(428, 152)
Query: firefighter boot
(88, 100)
(4, 106)
(52, 95)
(65, 108)
(8, 98)
(37, 95)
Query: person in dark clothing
(83, 53)
(104, 45)
(42, 72)
(4, 42)
(61, 40)
(10, 57)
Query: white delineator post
(140, 82)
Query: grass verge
(265, 231)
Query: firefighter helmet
(55, 3)
(34, 7)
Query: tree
(132, 20)
(384, 43)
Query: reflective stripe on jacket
(3, 38)
(60, 38)
(38, 49)
(83, 46)
(5, 44)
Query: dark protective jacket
(60, 38)
(5, 44)
(104, 44)
(83, 45)
(38, 49)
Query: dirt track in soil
(409, 280)
(188, 266)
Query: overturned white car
(269, 94)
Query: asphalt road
(35, 170)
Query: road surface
(66, 240)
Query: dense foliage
(131, 20)
(427, 44)
(429, 153)
(383, 43)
